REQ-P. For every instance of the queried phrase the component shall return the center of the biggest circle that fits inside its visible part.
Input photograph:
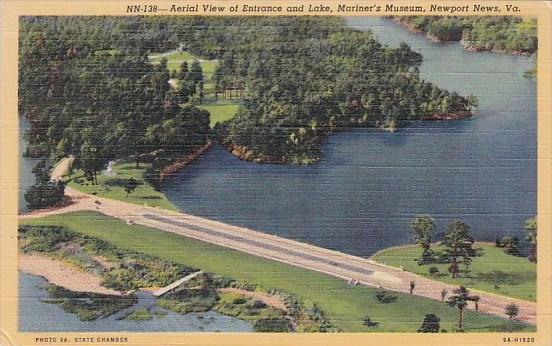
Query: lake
(369, 185)
(362, 195)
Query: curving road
(288, 251)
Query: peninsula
(294, 87)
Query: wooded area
(501, 34)
(87, 87)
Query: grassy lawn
(174, 60)
(494, 271)
(113, 186)
(220, 111)
(344, 306)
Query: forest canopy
(88, 89)
(505, 34)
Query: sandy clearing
(62, 274)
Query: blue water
(369, 185)
(36, 316)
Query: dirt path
(341, 265)
(62, 168)
(62, 274)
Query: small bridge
(176, 286)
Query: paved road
(292, 252)
(259, 244)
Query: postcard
(276, 172)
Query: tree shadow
(479, 252)
(509, 326)
(499, 277)
(150, 197)
(120, 182)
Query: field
(220, 111)
(494, 271)
(174, 59)
(113, 186)
(343, 305)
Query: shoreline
(152, 178)
(388, 282)
(406, 246)
(182, 162)
(479, 49)
(63, 274)
(468, 47)
(243, 154)
(452, 116)
(391, 248)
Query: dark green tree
(510, 245)
(184, 71)
(385, 297)
(44, 193)
(196, 72)
(201, 91)
(186, 91)
(422, 229)
(367, 321)
(459, 299)
(430, 324)
(512, 310)
(90, 162)
(130, 186)
(531, 229)
(458, 244)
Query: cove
(362, 195)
